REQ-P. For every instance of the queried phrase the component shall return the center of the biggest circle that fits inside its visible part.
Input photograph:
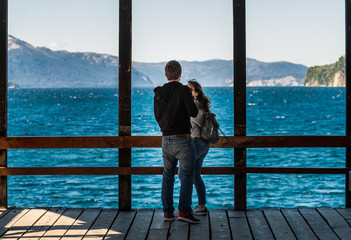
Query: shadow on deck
(96, 223)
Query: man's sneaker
(189, 218)
(168, 217)
(200, 211)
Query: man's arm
(189, 103)
(155, 110)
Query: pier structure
(126, 223)
(94, 223)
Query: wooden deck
(96, 223)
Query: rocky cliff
(332, 75)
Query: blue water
(94, 112)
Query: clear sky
(309, 32)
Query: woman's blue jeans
(174, 149)
(201, 149)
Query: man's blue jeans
(178, 148)
(202, 148)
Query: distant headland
(332, 75)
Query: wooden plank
(125, 66)
(240, 186)
(3, 66)
(24, 223)
(219, 224)
(4, 211)
(124, 100)
(239, 31)
(3, 95)
(43, 224)
(258, 224)
(178, 230)
(11, 218)
(278, 224)
(317, 224)
(81, 226)
(101, 225)
(80, 142)
(200, 231)
(336, 222)
(159, 228)
(298, 224)
(155, 142)
(348, 96)
(158, 234)
(296, 170)
(141, 224)
(62, 224)
(121, 225)
(158, 170)
(283, 141)
(239, 225)
(345, 213)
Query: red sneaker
(168, 217)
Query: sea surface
(94, 112)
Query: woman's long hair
(201, 97)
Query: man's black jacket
(173, 106)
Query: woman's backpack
(210, 128)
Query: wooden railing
(124, 142)
(155, 142)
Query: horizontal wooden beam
(284, 141)
(80, 142)
(158, 170)
(155, 142)
(288, 170)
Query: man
(173, 107)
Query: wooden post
(348, 96)
(124, 100)
(239, 100)
(3, 98)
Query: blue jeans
(175, 149)
(201, 147)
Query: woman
(201, 145)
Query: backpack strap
(221, 132)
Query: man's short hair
(173, 70)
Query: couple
(179, 111)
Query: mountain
(274, 73)
(331, 75)
(220, 72)
(30, 66)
